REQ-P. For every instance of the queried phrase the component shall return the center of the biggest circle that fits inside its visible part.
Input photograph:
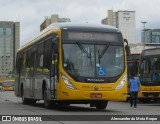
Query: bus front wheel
(101, 104)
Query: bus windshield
(133, 63)
(150, 69)
(93, 60)
(7, 84)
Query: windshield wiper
(83, 49)
(102, 53)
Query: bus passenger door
(32, 74)
(54, 74)
(54, 67)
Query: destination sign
(111, 37)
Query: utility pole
(144, 22)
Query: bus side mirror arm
(127, 48)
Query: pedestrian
(134, 87)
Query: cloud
(31, 13)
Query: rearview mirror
(55, 44)
(127, 48)
(53, 67)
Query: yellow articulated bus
(150, 75)
(70, 63)
(8, 85)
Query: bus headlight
(67, 82)
(122, 83)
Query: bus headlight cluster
(122, 83)
(67, 82)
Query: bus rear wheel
(24, 100)
(101, 104)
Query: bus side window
(47, 54)
(17, 63)
(157, 65)
(22, 64)
(28, 58)
(19, 59)
(34, 58)
(40, 55)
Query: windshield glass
(133, 64)
(8, 84)
(150, 69)
(133, 67)
(91, 60)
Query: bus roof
(70, 26)
(87, 27)
(151, 52)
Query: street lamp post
(144, 22)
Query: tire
(24, 100)
(32, 101)
(101, 105)
(47, 102)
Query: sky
(31, 13)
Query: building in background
(123, 20)
(137, 48)
(151, 37)
(53, 19)
(9, 44)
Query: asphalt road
(11, 105)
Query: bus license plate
(96, 95)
